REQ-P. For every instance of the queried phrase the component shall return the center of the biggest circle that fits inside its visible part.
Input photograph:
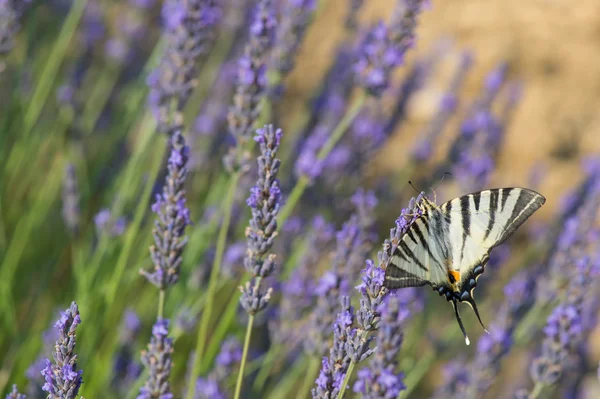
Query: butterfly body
(448, 246)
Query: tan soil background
(552, 46)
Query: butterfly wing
(480, 221)
(418, 259)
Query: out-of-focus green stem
(98, 97)
(309, 378)
(52, 65)
(240, 377)
(537, 390)
(336, 135)
(134, 229)
(266, 366)
(416, 373)
(212, 284)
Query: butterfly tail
(460, 323)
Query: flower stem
(537, 390)
(161, 304)
(240, 378)
(336, 136)
(212, 284)
(346, 380)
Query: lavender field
(201, 198)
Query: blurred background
(497, 93)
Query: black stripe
(465, 222)
(465, 215)
(521, 203)
(410, 234)
(425, 223)
(505, 194)
(424, 242)
(476, 200)
(409, 253)
(492, 206)
(399, 253)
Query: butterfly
(448, 246)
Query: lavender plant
(264, 201)
(63, 378)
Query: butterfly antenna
(471, 302)
(413, 186)
(438, 184)
(460, 323)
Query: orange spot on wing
(454, 275)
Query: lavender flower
(63, 379)
(71, 196)
(172, 218)
(566, 329)
(189, 29)
(14, 394)
(214, 386)
(157, 359)
(334, 367)
(264, 201)
(251, 84)
(380, 379)
(296, 17)
(383, 47)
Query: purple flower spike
(157, 359)
(10, 14)
(190, 31)
(380, 379)
(296, 17)
(251, 85)
(14, 394)
(172, 216)
(383, 48)
(62, 377)
(264, 201)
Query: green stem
(266, 367)
(161, 304)
(52, 66)
(309, 378)
(240, 378)
(417, 372)
(346, 381)
(537, 390)
(212, 284)
(336, 136)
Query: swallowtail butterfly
(448, 246)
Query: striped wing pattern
(418, 259)
(480, 221)
(458, 235)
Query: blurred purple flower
(172, 216)
(63, 379)
(295, 18)
(214, 385)
(106, 224)
(71, 197)
(126, 368)
(11, 12)
(264, 201)
(14, 393)
(251, 84)
(190, 30)
(157, 360)
(383, 47)
(446, 108)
